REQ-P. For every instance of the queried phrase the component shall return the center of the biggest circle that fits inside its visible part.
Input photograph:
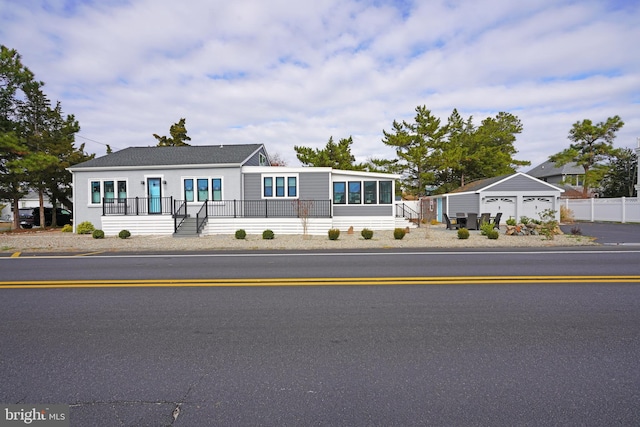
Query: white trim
(275, 173)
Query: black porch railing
(270, 208)
(137, 206)
(404, 211)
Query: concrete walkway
(608, 233)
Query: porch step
(188, 228)
(404, 222)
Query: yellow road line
(15, 254)
(322, 281)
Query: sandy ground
(438, 236)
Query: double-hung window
(370, 192)
(386, 192)
(95, 192)
(203, 189)
(216, 189)
(280, 186)
(188, 190)
(106, 189)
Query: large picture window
(354, 192)
(370, 192)
(386, 192)
(339, 193)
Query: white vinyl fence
(622, 209)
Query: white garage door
(533, 206)
(506, 205)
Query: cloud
(288, 73)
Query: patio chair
(450, 226)
(496, 221)
(461, 219)
(485, 218)
(472, 221)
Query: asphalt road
(607, 233)
(536, 353)
(369, 355)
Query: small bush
(366, 234)
(463, 233)
(434, 222)
(511, 221)
(493, 234)
(68, 228)
(485, 228)
(524, 220)
(98, 234)
(399, 233)
(566, 215)
(241, 234)
(85, 228)
(576, 231)
(268, 235)
(334, 233)
(124, 234)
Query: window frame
(279, 187)
(352, 194)
(343, 192)
(100, 184)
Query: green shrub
(524, 220)
(68, 228)
(511, 221)
(85, 228)
(366, 234)
(98, 234)
(485, 228)
(124, 234)
(268, 235)
(399, 233)
(241, 234)
(334, 233)
(463, 233)
(493, 234)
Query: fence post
(137, 211)
(234, 208)
(593, 215)
(103, 206)
(624, 209)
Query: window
(100, 189)
(109, 191)
(385, 192)
(216, 189)
(370, 193)
(188, 190)
(354, 192)
(95, 192)
(122, 191)
(203, 189)
(263, 160)
(292, 186)
(280, 186)
(268, 187)
(339, 193)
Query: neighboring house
(514, 195)
(570, 175)
(220, 189)
(30, 200)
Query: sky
(286, 73)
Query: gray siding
(362, 210)
(520, 183)
(463, 203)
(252, 186)
(255, 159)
(314, 186)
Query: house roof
(174, 156)
(549, 168)
(488, 183)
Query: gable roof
(549, 168)
(488, 183)
(174, 156)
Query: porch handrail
(270, 208)
(180, 212)
(404, 211)
(137, 205)
(201, 217)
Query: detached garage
(515, 195)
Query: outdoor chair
(496, 221)
(450, 226)
(461, 219)
(472, 221)
(485, 218)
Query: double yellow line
(322, 281)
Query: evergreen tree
(178, 138)
(337, 156)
